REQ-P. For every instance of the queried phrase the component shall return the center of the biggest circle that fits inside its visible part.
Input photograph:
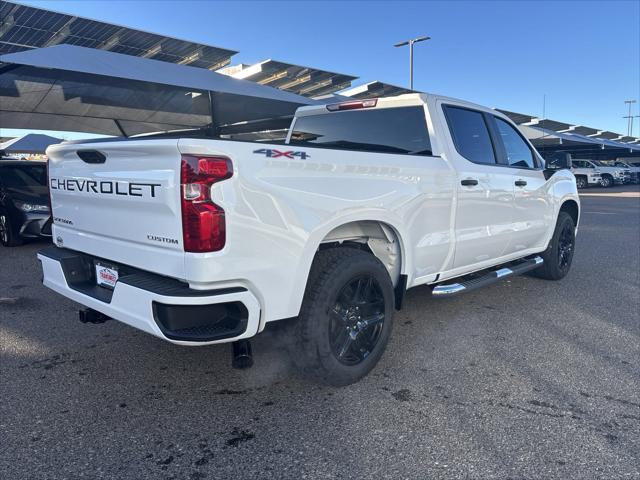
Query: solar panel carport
(88, 90)
(583, 142)
(24, 28)
(549, 141)
(35, 143)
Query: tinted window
(391, 130)
(517, 150)
(23, 175)
(470, 134)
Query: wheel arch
(382, 237)
(572, 208)
(377, 237)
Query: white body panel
(279, 210)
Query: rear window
(23, 176)
(384, 130)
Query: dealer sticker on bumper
(105, 276)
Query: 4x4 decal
(273, 153)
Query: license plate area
(106, 275)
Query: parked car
(200, 240)
(587, 175)
(610, 175)
(24, 201)
(633, 168)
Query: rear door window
(383, 130)
(470, 134)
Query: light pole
(630, 118)
(410, 43)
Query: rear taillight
(203, 223)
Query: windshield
(21, 176)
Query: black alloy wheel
(357, 320)
(566, 244)
(8, 237)
(559, 254)
(4, 229)
(346, 317)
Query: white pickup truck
(201, 240)
(590, 169)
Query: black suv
(24, 201)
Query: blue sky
(583, 55)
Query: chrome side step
(472, 282)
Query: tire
(346, 317)
(607, 181)
(559, 254)
(8, 236)
(581, 182)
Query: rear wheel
(581, 182)
(8, 236)
(346, 317)
(559, 254)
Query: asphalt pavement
(525, 379)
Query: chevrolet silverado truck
(610, 175)
(634, 170)
(587, 174)
(200, 240)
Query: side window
(518, 152)
(470, 134)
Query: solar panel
(553, 125)
(517, 118)
(607, 135)
(307, 81)
(24, 27)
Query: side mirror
(558, 161)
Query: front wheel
(346, 317)
(8, 236)
(559, 254)
(606, 181)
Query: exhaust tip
(242, 357)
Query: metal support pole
(411, 65)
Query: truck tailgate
(120, 201)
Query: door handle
(468, 182)
(521, 183)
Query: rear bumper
(157, 305)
